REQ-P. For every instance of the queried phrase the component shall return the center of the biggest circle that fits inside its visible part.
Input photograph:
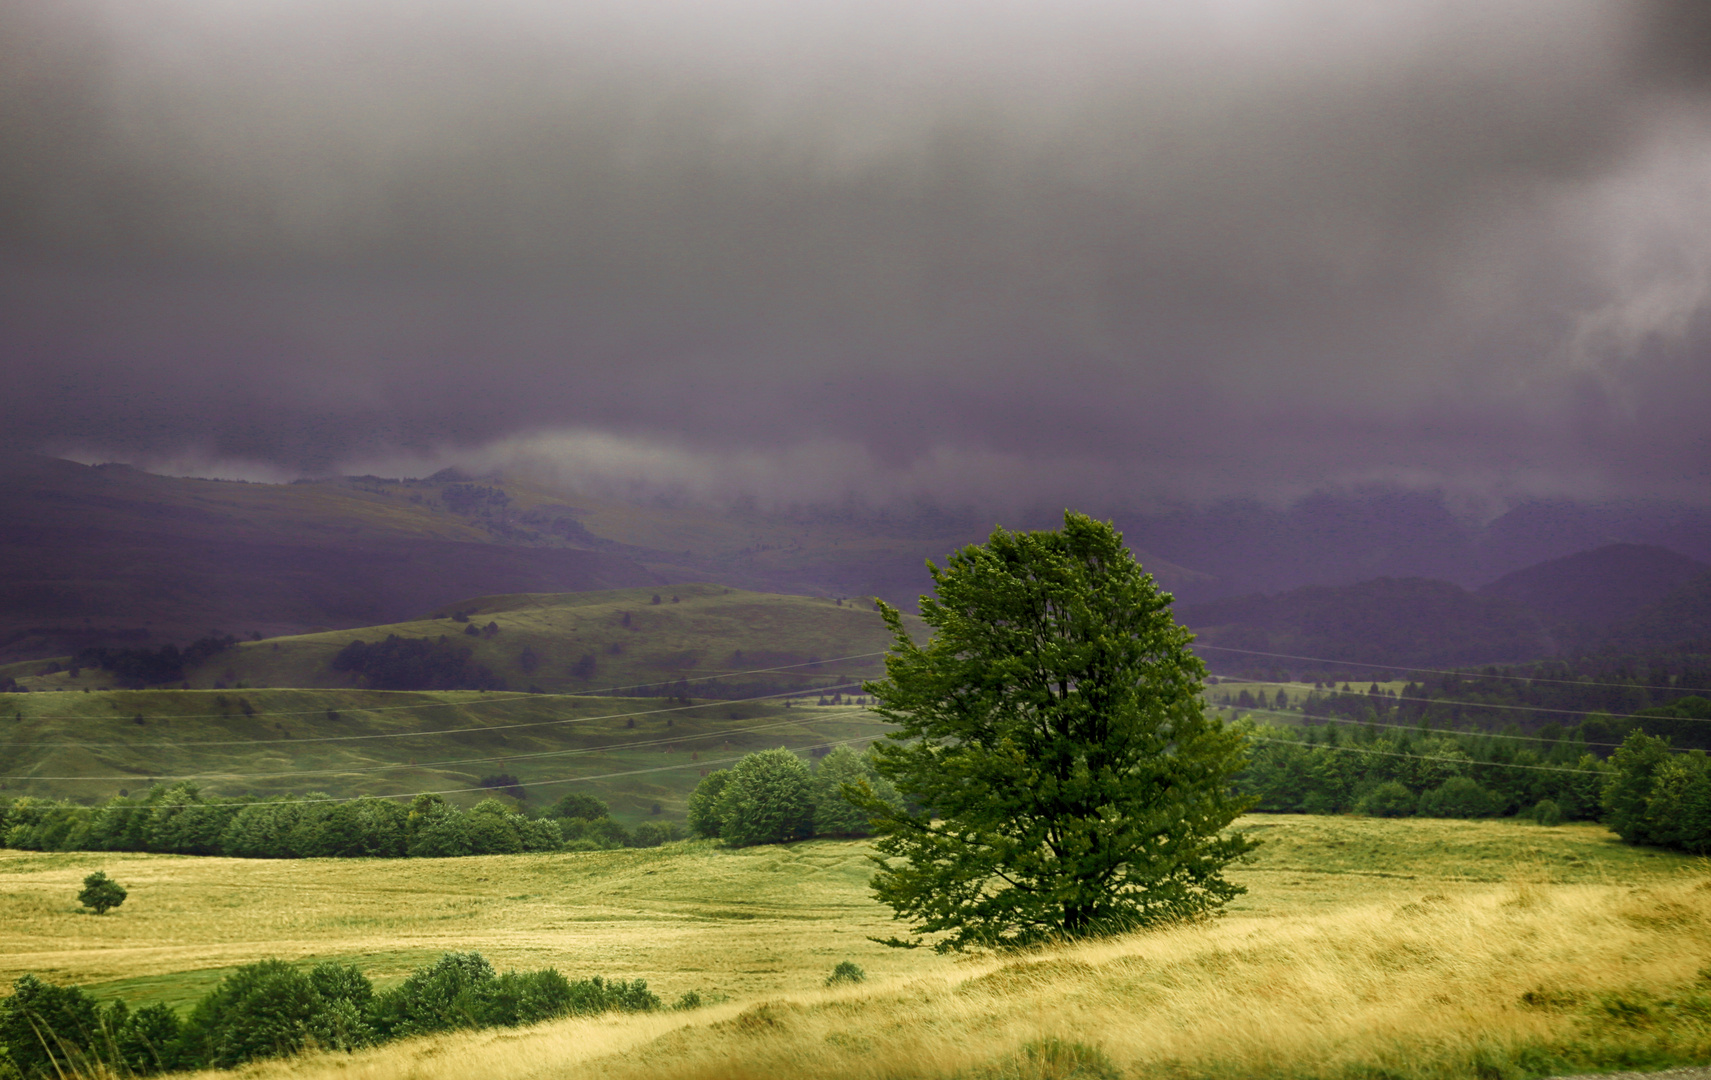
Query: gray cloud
(945, 249)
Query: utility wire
(569, 752)
(1444, 671)
(1434, 701)
(1344, 721)
(486, 699)
(446, 731)
(462, 791)
(1423, 757)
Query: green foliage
(402, 663)
(655, 833)
(1547, 812)
(834, 813)
(146, 1041)
(440, 997)
(769, 799)
(1389, 799)
(262, 1010)
(101, 893)
(177, 819)
(1053, 1059)
(1052, 732)
(1331, 769)
(1659, 797)
(49, 1030)
(575, 804)
(703, 811)
(272, 1009)
(847, 971)
(1461, 797)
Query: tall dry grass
(1490, 981)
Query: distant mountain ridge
(1587, 597)
(1403, 621)
(1616, 597)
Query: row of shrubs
(773, 797)
(178, 820)
(271, 1009)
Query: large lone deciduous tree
(1065, 780)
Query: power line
(1423, 757)
(569, 752)
(1443, 671)
(838, 687)
(1445, 731)
(462, 791)
(1437, 701)
(1429, 702)
(487, 699)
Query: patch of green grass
(632, 752)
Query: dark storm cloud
(900, 249)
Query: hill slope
(632, 752)
(110, 555)
(1680, 619)
(1585, 596)
(1403, 621)
(700, 640)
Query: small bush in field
(101, 893)
(847, 971)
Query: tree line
(1647, 792)
(179, 820)
(1336, 769)
(272, 1009)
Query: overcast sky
(969, 249)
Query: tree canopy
(1065, 779)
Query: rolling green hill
(632, 752)
(700, 640)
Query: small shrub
(101, 893)
(443, 996)
(1547, 812)
(1058, 1059)
(689, 1000)
(847, 971)
(261, 1010)
(1460, 797)
(1389, 799)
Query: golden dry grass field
(1365, 947)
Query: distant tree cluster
(272, 1009)
(401, 663)
(178, 820)
(1387, 773)
(773, 797)
(137, 668)
(1659, 797)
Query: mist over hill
(1587, 598)
(110, 555)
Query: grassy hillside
(108, 555)
(632, 752)
(724, 643)
(1365, 947)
